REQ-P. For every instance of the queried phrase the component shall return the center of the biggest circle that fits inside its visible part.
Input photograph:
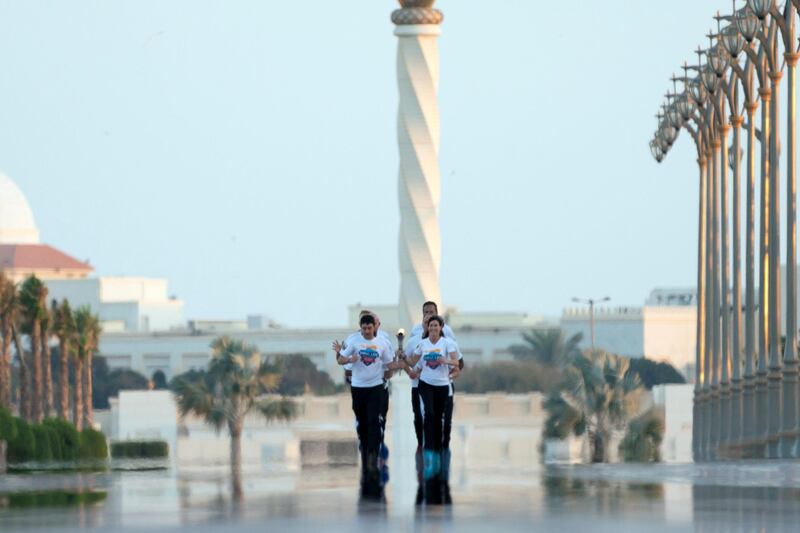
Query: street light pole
(591, 302)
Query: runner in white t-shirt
(437, 355)
(369, 356)
(348, 368)
(429, 309)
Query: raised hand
(337, 346)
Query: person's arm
(414, 358)
(344, 355)
(458, 351)
(389, 363)
(451, 359)
(416, 370)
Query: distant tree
(515, 377)
(87, 326)
(300, 372)
(192, 377)
(159, 380)
(108, 383)
(47, 365)
(597, 395)
(643, 438)
(548, 347)
(9, 312)
(33, 297)
(240, 378)
(64, 330)
(652, 373)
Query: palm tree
(240, 377)
(64, 329)
(9, 308)
(642, 441)
(87, 328)
(25, 403)
(47, 333)
(548, 346)
(598, 395)
(33, 297)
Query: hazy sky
(246, 150)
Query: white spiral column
(417, 29)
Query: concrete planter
(330, 451)
(572, 450)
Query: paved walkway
(720, 497)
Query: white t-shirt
(417, 330)
(413, 342)
(373, 355)
(357, 334)
(433, 372)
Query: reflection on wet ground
(731, 497)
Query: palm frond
(277, 409)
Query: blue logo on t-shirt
(432, 359)
(368, 354)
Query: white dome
(17, 225)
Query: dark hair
(429, 302)
(438, 319)
(367, 319)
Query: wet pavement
(726, 497)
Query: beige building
(663, 329)
(122, 303)
(21, 252)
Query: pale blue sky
(246, 150)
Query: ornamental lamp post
(718, 62)
(748, 24)
(733, 44)
(674, 117)
(711, 76)
(733, 41)
(769, 39)
(751, 28)
(761, 8)
(656, 151)
(685, 107)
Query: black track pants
(415, 406)
(448, 420)
(434, 400)
(367, 406)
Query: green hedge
(156, 449)
(92, 445)
(8, 429)
(65, 439)
(54, 440)
(22, 447)
(43, 452)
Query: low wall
(488, 429)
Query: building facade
(664, 329)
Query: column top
(413, 12)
